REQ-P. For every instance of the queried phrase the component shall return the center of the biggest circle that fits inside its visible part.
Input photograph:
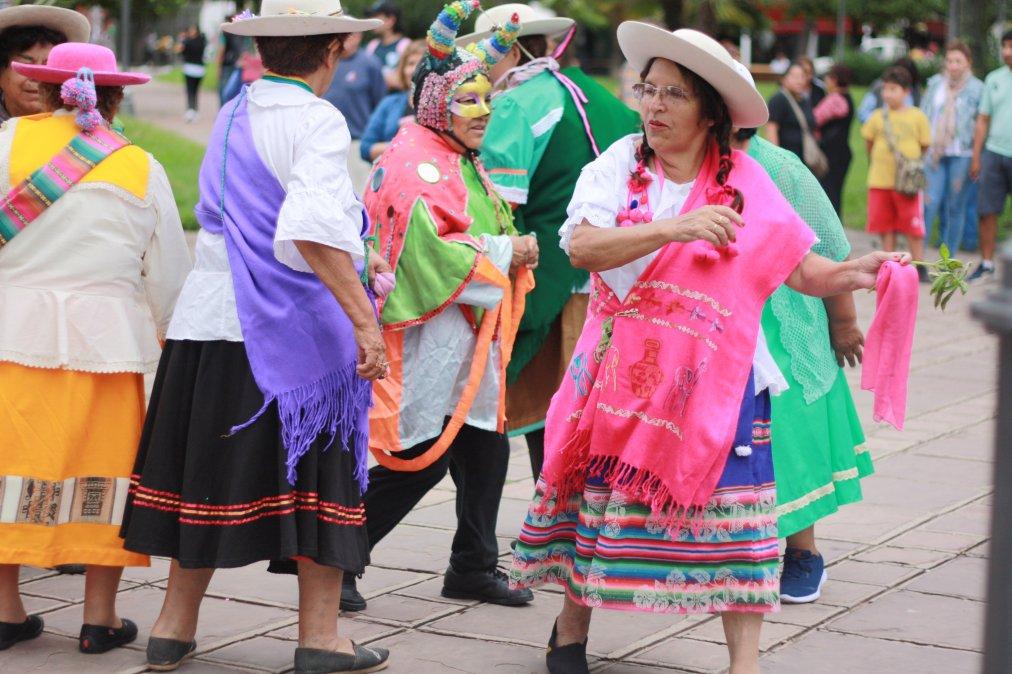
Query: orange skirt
(69, 440)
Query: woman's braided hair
(714, 109)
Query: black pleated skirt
(214, 500)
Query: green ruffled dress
(818, 457)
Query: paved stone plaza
(907, 566)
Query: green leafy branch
(947, 275)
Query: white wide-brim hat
(293, 18)
(72, 24)
(700, 53)
(533, 21)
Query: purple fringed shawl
(299, 342)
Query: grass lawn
(175, 76)
(180, 157)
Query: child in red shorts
(889, 212)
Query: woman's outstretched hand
(820, 277)
(716, 224)
(866, 268)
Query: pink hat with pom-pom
(67, 59)
(79, 68)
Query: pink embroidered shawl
(651, 397)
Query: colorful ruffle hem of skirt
(211, 499)
(609, 551)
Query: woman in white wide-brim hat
(255, 441)
(27, 34)
(657, 492)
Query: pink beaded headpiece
(446, 66)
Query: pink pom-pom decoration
(626, 223)
(79, 91)
(732, 250)
(384, 284)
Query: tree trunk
(706, 19)
(801, 49)
(674, 13)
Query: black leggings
(477, 461)
(192, 87)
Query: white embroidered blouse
(601, 193)
(91, 283)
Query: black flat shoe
(165, 655)
(318, 661)
(568, 659)
(96, 639)
(488, 586)
(12, 633)
(351, 598)
(70, 569)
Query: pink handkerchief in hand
(383, 284)
(890, 340)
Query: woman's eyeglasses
(670, 93)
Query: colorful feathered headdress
(446, 66)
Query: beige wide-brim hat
(700, 53)
(293, 18)
(533, 21)
(72, 24)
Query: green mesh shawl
(804, 324)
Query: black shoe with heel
(488, 586)
(568, 659)
(351, 598)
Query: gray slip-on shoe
(318, 661)
(165, 655)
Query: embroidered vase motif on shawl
(652, 394)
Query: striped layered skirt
(608, 551)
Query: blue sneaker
(803, 577)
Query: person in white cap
(657, 492)
(256, 437)
(547, 123)
(27, 34)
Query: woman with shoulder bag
(791, 121)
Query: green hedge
(867, 68)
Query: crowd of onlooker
(939, 150)
(370, 86)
